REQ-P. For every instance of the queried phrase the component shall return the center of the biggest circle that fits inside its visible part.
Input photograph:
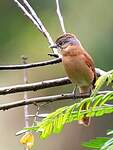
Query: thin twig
(27, 14)
(60, 17)
(32, 65)
(45, 99)
(30, 13)
(39, 115)
(39, 85)
(26, 111)
(34, 15)
(53, 55)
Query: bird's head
(65, 40)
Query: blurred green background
(92, 22)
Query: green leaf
(95, 143)
(99, 113)
(58, 124)
(110, 132)
(99, 83)
(81, 106)
(46, 132)
(107, 78)
(105, 98)
(107, 144)
(96, 100)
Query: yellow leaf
(27, 139)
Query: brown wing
(89, 61)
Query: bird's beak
(54, 46)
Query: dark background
(92, 21)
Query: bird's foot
(75, 92)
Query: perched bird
(78, 65)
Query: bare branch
(35, 100)
(34, 15)
(45, 99)
(32, 65)
(99, 72)
(27, 14)
(34, 86)
(26, 109)
(60, 17)
(30, 13)
(39, 85)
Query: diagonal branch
(45, 99)
(30, 13)
(60, 17)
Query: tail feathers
(86, 89)
(85, 120)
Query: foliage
(96, 106)
(96, 143)
(102, 143)
(106, 79)
(55, 121)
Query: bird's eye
(60, 43)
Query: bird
(78, 65)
